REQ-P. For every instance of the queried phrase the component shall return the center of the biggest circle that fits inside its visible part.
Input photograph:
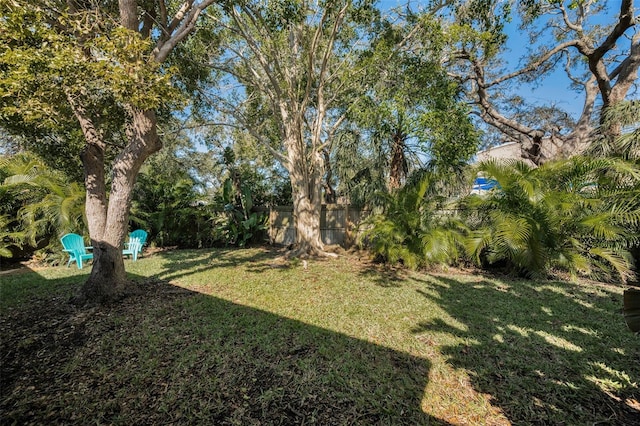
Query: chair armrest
(74, 252)
(134, 246)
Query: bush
(414, 228)
(579, 215)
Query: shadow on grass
(384, 275)
(167, 355)
(21, 286)
(550, 353)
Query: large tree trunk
(306, 188)
(108, 222)
(108, 278)
(306, 217)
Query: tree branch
(625, 21)
(182, 25)
(533, 65)
(567, 21)
(164, 23)
(255, 49)
(627, 71)
(495, 118)
(321, 106)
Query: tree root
(90, 294)
(306, 252)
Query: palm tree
(625, 115)
(51, 204)
(9, 237)
(415, 227)
(360, 165)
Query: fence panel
(338, 224)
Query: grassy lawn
(238, 338)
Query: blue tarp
(483, 184)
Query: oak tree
(97, 68)
(600, 60)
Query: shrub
(414, 227)
(579, 215)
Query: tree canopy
(593, 41)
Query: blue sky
(551, 90)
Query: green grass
(19, 286)
(237, 337)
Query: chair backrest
(135, 244)
(73, 242)
(140, 235)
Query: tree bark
(306, 216)
(128, 14)
(108, 222)
(329, 192)
(305, 174)
(108, 277)
(398, 168)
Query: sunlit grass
(361, 345)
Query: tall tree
(601, 61)
(411, 111)
(97, 67)
(294, 61)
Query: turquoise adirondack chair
(74, 245)
(133, 247)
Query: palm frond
(618, 259)
(600, 226)
(478, 241)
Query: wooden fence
(338, 223)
